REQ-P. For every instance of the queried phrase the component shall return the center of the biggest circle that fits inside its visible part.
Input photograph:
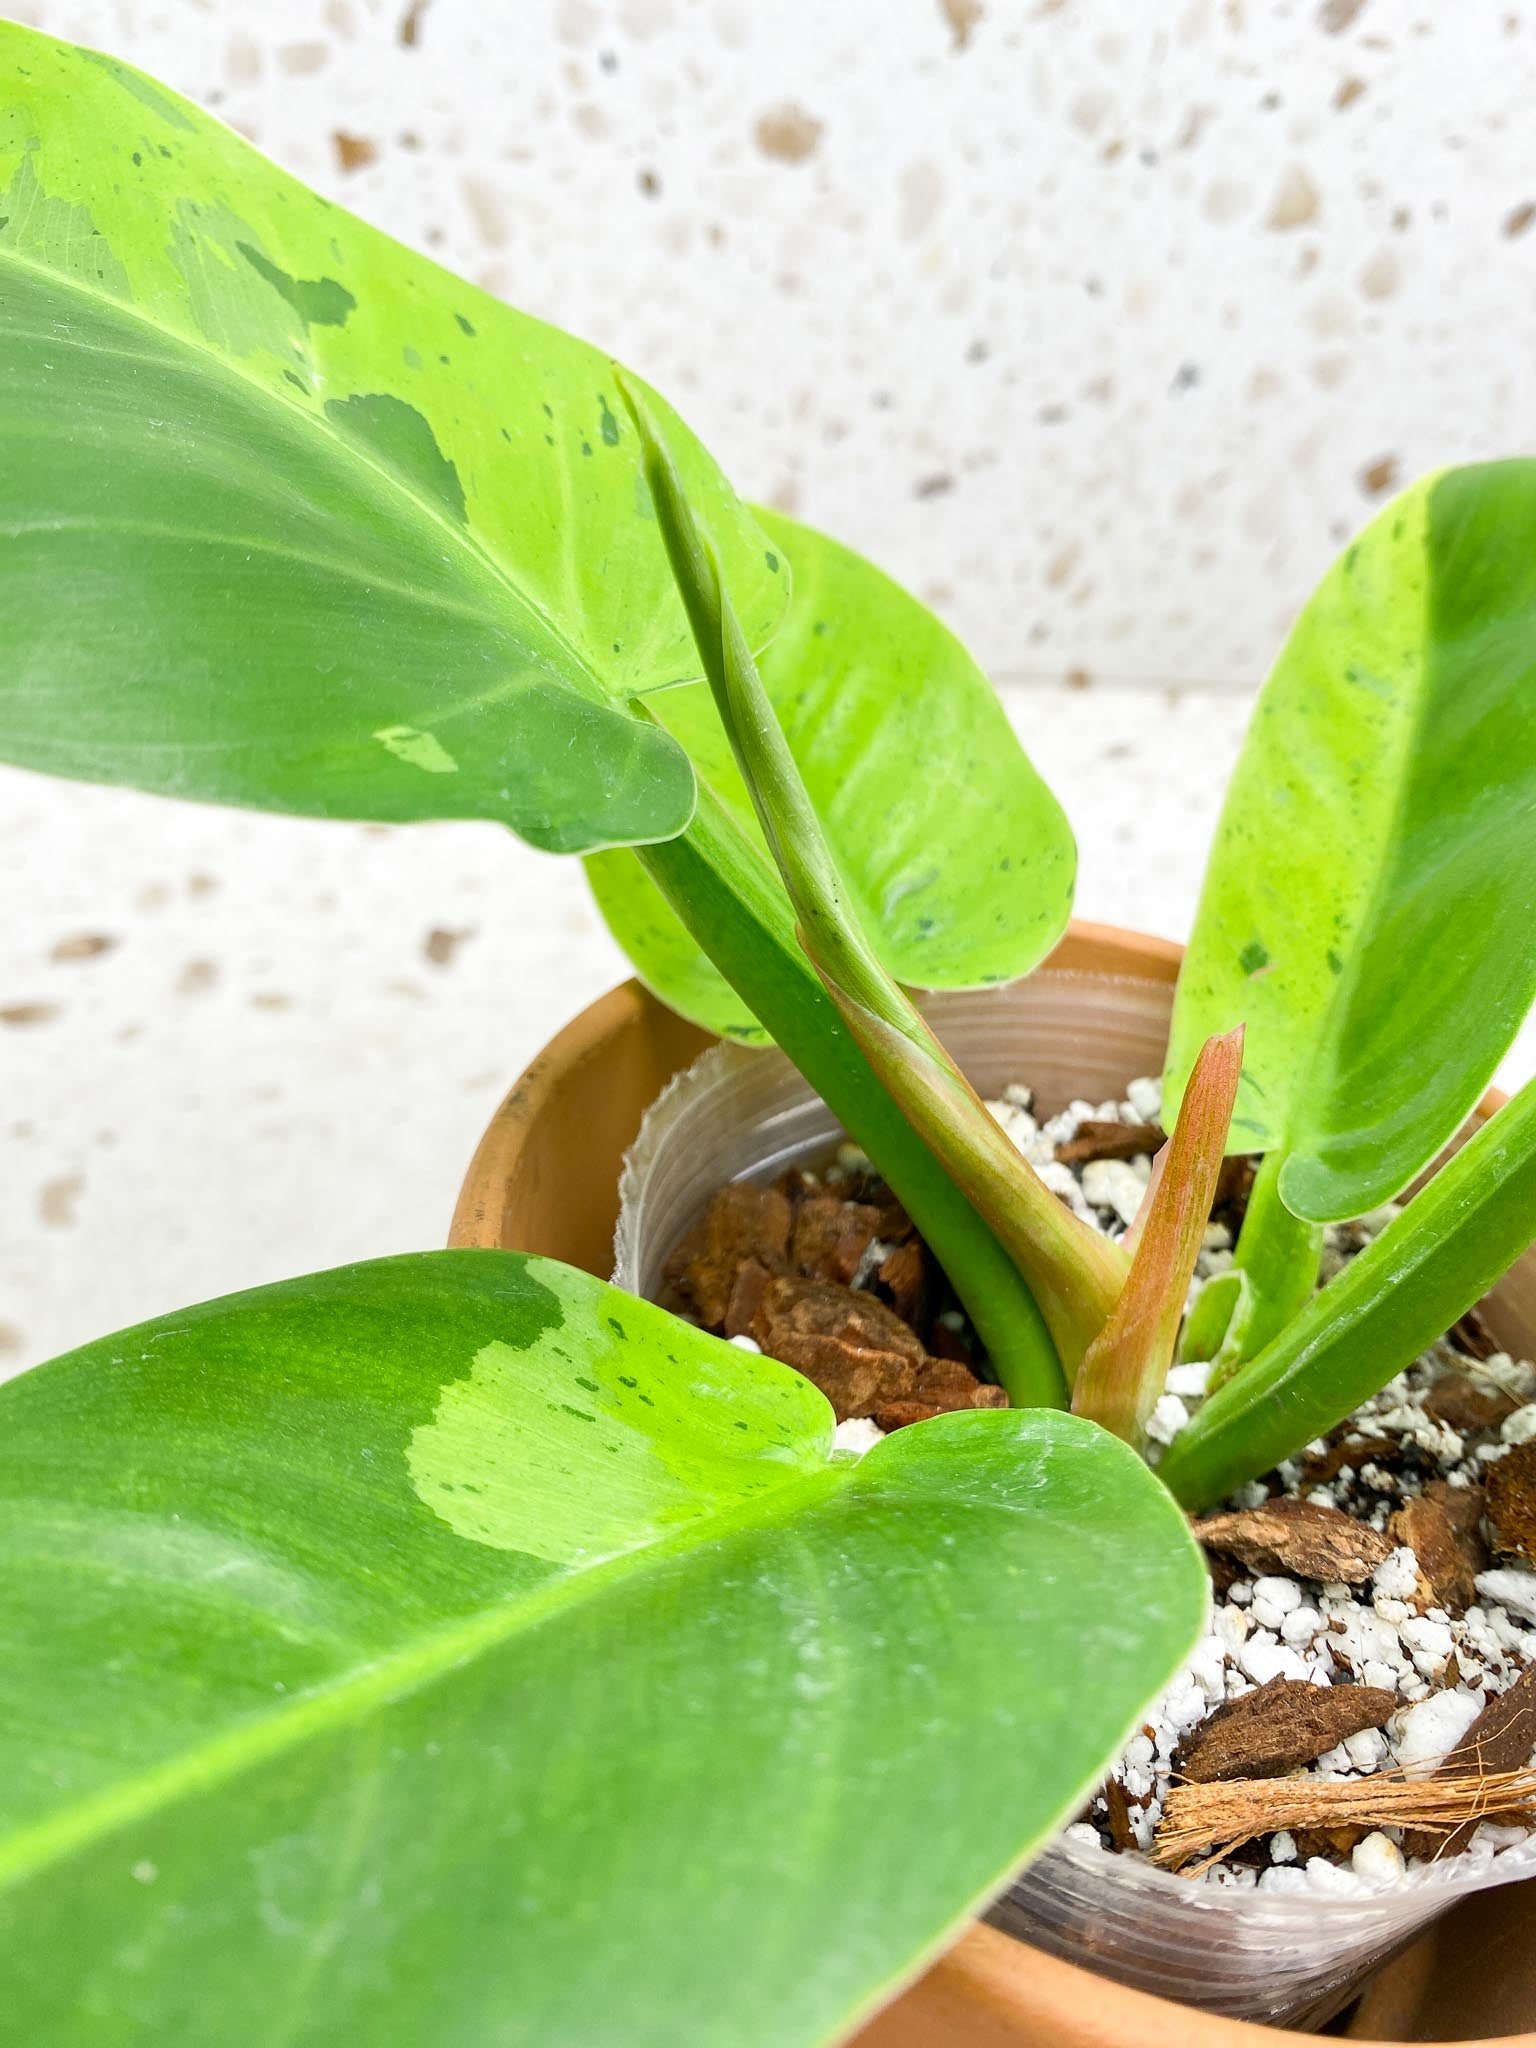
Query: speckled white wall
(1101, 322)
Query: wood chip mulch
(1279, 1727)
(1512, 1503)
(778, 1264)
(1298, 1537)
(1440, 1527)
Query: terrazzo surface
(1101, 325)
(234, 1047)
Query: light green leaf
(294, 519)
(1370, 905)
(958, 856)
(453, 1649)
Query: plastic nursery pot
(546, 1178)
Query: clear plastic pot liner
(1286, 1958)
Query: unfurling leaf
(902, 745)
(1124, 1368)
(1073, 1273)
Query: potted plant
(457, 1648)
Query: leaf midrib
(34, 1846)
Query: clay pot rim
(980, 1974)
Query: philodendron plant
(452, 1648)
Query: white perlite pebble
(1512, 1588)
(1366, 1751)
(858, 1435)
(1377, 1860)
(1301, 1626)
(1168, 1417)
(1084, 1834)
(1189, 1382)
(1424, 1733)
(1330, 1880)
(1263, 1659)
(1282, 1846)
(1429, 1642)
(746, 1344)
(1146, 1097)
(1520, 1428)
(1397, 1577)
(1273, 1600)
(1063, 1182)
(1114, 1184)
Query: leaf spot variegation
(576, 1449)
(402, 438)
(318, 301)
(422, 750)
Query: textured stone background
(1101, 323)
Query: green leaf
(1452, 1242)
(903, 747)
(453, 1649)
(294, 519)
(1370, 905)
(1212, 1325)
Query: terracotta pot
(545, 1179)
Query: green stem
(1280, 1253)
(730, 901)
(1072, 1273)
(1429, 1266)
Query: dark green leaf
(453, 1649)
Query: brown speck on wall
(56, 1199)
(196, 977)
(1379, 476)
(82, 946)
(353, 151)
(1334, 16)
(788, 134)
(441, 944)
(962, 16)
(1295, 202)
(1519, 220)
